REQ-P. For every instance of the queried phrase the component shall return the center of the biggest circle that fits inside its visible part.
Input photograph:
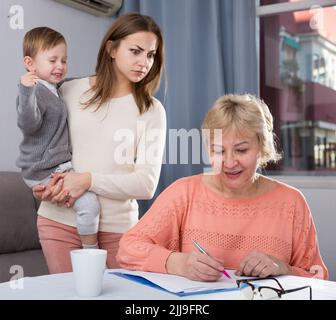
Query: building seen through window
(298, 82)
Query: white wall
(83, 33)
(320, 193)
(323, 207)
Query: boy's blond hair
(40, 39)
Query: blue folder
(148, 283)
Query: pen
(198, 246)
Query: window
(298, 82)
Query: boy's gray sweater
(42, 118)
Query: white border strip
(271, 9)
(308, 182)
(257, 39)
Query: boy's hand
(29, 79)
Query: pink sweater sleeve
(306, 259)
(148, 244)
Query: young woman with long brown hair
(117, 130)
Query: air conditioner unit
(96, 7)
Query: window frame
(297, 180)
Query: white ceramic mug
(88, 267)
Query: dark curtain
(210, 50)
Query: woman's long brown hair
(106, 78)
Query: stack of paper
(178, 285)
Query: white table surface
(61, 287)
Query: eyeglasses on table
(250, 291)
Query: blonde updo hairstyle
(246, 115)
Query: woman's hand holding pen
(195, 266)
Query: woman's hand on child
(38, 191)
(30, 79)
(75, 184)
(53, 188)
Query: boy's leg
(57, 240)
(87, 210)
(87, 216)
